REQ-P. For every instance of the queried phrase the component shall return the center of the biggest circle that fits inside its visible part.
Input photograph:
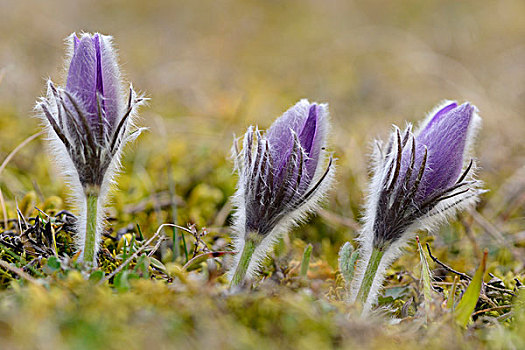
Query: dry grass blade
(426, 279)
(144, 246)
(334, 218)
(205, 256)
(487, 226)
(18, 148)
(2, 75)
(18, 271)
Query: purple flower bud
(94, 78)
(421, 175)
(419, 179)
(89, 122)
(444, 138)
(90, 116)
(300, 123)
(282, 174)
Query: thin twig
(465, 276)
(446, 267)
(20, 146)
(125, 263)
(492, 309)
(159, 242)
(210, 254)
(505, 316)
(18, 271)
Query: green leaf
(157, 264)
(121, 280)
(347, 260)
(425, 278)
(396, 292)
(96, 276)
(452, 293)
(305, 263)
(142, 265)
(53, 263)
(467, 304)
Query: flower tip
(467, 107)
(442, 110)
(76, 41)
(314, 109)
(469, 114)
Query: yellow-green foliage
(211, 68)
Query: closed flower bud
(89, 120)
(419, 179)
(283, 174)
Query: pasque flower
(89, 121)
(419, 179)
(283, 174)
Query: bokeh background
(212, 68)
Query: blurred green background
(212, 68)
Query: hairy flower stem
(370, 274)
(91, 228)
(244, 261)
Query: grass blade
(452, 294)
(305, 263)
(426, 279)
(467, 304)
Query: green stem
(91, 228)
(244, 262)
(370, 274)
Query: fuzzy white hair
(48, 110)
(293, 218)
(430, 221)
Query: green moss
(221, 68)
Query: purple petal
(100, 85)
(82, 75)
(280, 136)
(307, 135)
(76, 41)
(445, 137)
(93, 72)
(312, 138)
(110, 82)
(438, 116)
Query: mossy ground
(211, 69)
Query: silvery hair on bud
(392, 215)
(87, 154)
(277, 206)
